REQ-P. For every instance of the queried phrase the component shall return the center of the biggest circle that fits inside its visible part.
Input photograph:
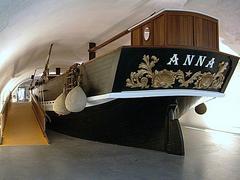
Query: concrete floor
(209, 155)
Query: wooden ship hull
(136, 94)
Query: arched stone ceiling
(28, 27)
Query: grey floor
(209, 155)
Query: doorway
(21, 94)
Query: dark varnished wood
(136, 37)
(179, 29)
(159, 31)
(58, 71)
(92, 54)
(206, 33)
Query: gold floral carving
(146, 77)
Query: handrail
(3, 117)
(123, 33)
(40, 115)
(114, 38)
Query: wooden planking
(159, 31)
(206, 33)
(179, 30)
(136, 37)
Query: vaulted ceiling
(27, 27)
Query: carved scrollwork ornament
(164, 78)
(146, 77)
